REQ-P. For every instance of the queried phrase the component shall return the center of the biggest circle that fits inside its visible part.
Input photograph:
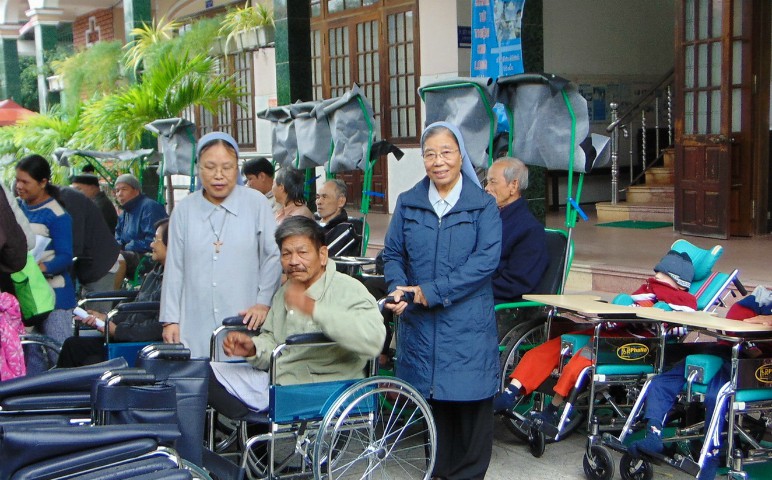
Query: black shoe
(506, 400)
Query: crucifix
(217, 246)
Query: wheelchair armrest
(132, 378)
(35, 421)
(166, 351)
(236, 321)
(59, 379)
(307, 338)
(138, 307)
(517, 303)
(60, 402)
(125, 295)
(20, 446)
(133, 457)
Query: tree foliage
(118, 121)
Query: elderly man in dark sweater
(523, 245)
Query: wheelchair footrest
(549, 430)
(680, 462)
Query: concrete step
(659, 176)
(653, 212)
(668, 156)
(651, 194)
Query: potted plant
(266, 32)
(240, 25)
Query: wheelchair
(332, 429)
(710, 288)
(516, 336)
(100, 421)
(743, 406)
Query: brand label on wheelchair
(627, 350)
(754, 373)
(764, 374)
(632, 351)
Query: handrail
(636, 106)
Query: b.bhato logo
(632, 351)
(764, 374)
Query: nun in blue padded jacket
(441, 249)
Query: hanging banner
(496, 43)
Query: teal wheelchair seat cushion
(620, 369)
(576, 341)
(753, 395)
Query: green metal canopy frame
(137, 161)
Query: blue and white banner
(496, 44)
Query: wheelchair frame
(342, 428)
(747, 393)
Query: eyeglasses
(432, 156)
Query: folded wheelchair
(106, 421)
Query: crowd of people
(453, 250)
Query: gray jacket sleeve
(21, 219)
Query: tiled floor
(638, 249)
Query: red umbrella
(11, 112)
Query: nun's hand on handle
(417, 294)
(397, 302)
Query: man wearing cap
(222, 259)
(88, 185)
(135, 229)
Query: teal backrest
(703, 260)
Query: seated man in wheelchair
(664, 389)
(135, 327)
(340, 235)
(315, 298)
(524, 255)
(673, 276)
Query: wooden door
(713, 141)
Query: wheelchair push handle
(406, 296)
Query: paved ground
(561, 461)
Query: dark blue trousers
(666, 386)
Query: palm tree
(173, 84)
(40, 134)
(145, 38)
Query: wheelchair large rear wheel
(380, 427)
(518, 345)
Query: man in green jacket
(315, 298)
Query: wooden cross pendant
(217, 246)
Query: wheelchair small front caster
(631, 468)
(598, 464)
(536, 442)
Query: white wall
(439, 59)
(608, 37)
(264, 96)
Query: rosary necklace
(217, 233)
